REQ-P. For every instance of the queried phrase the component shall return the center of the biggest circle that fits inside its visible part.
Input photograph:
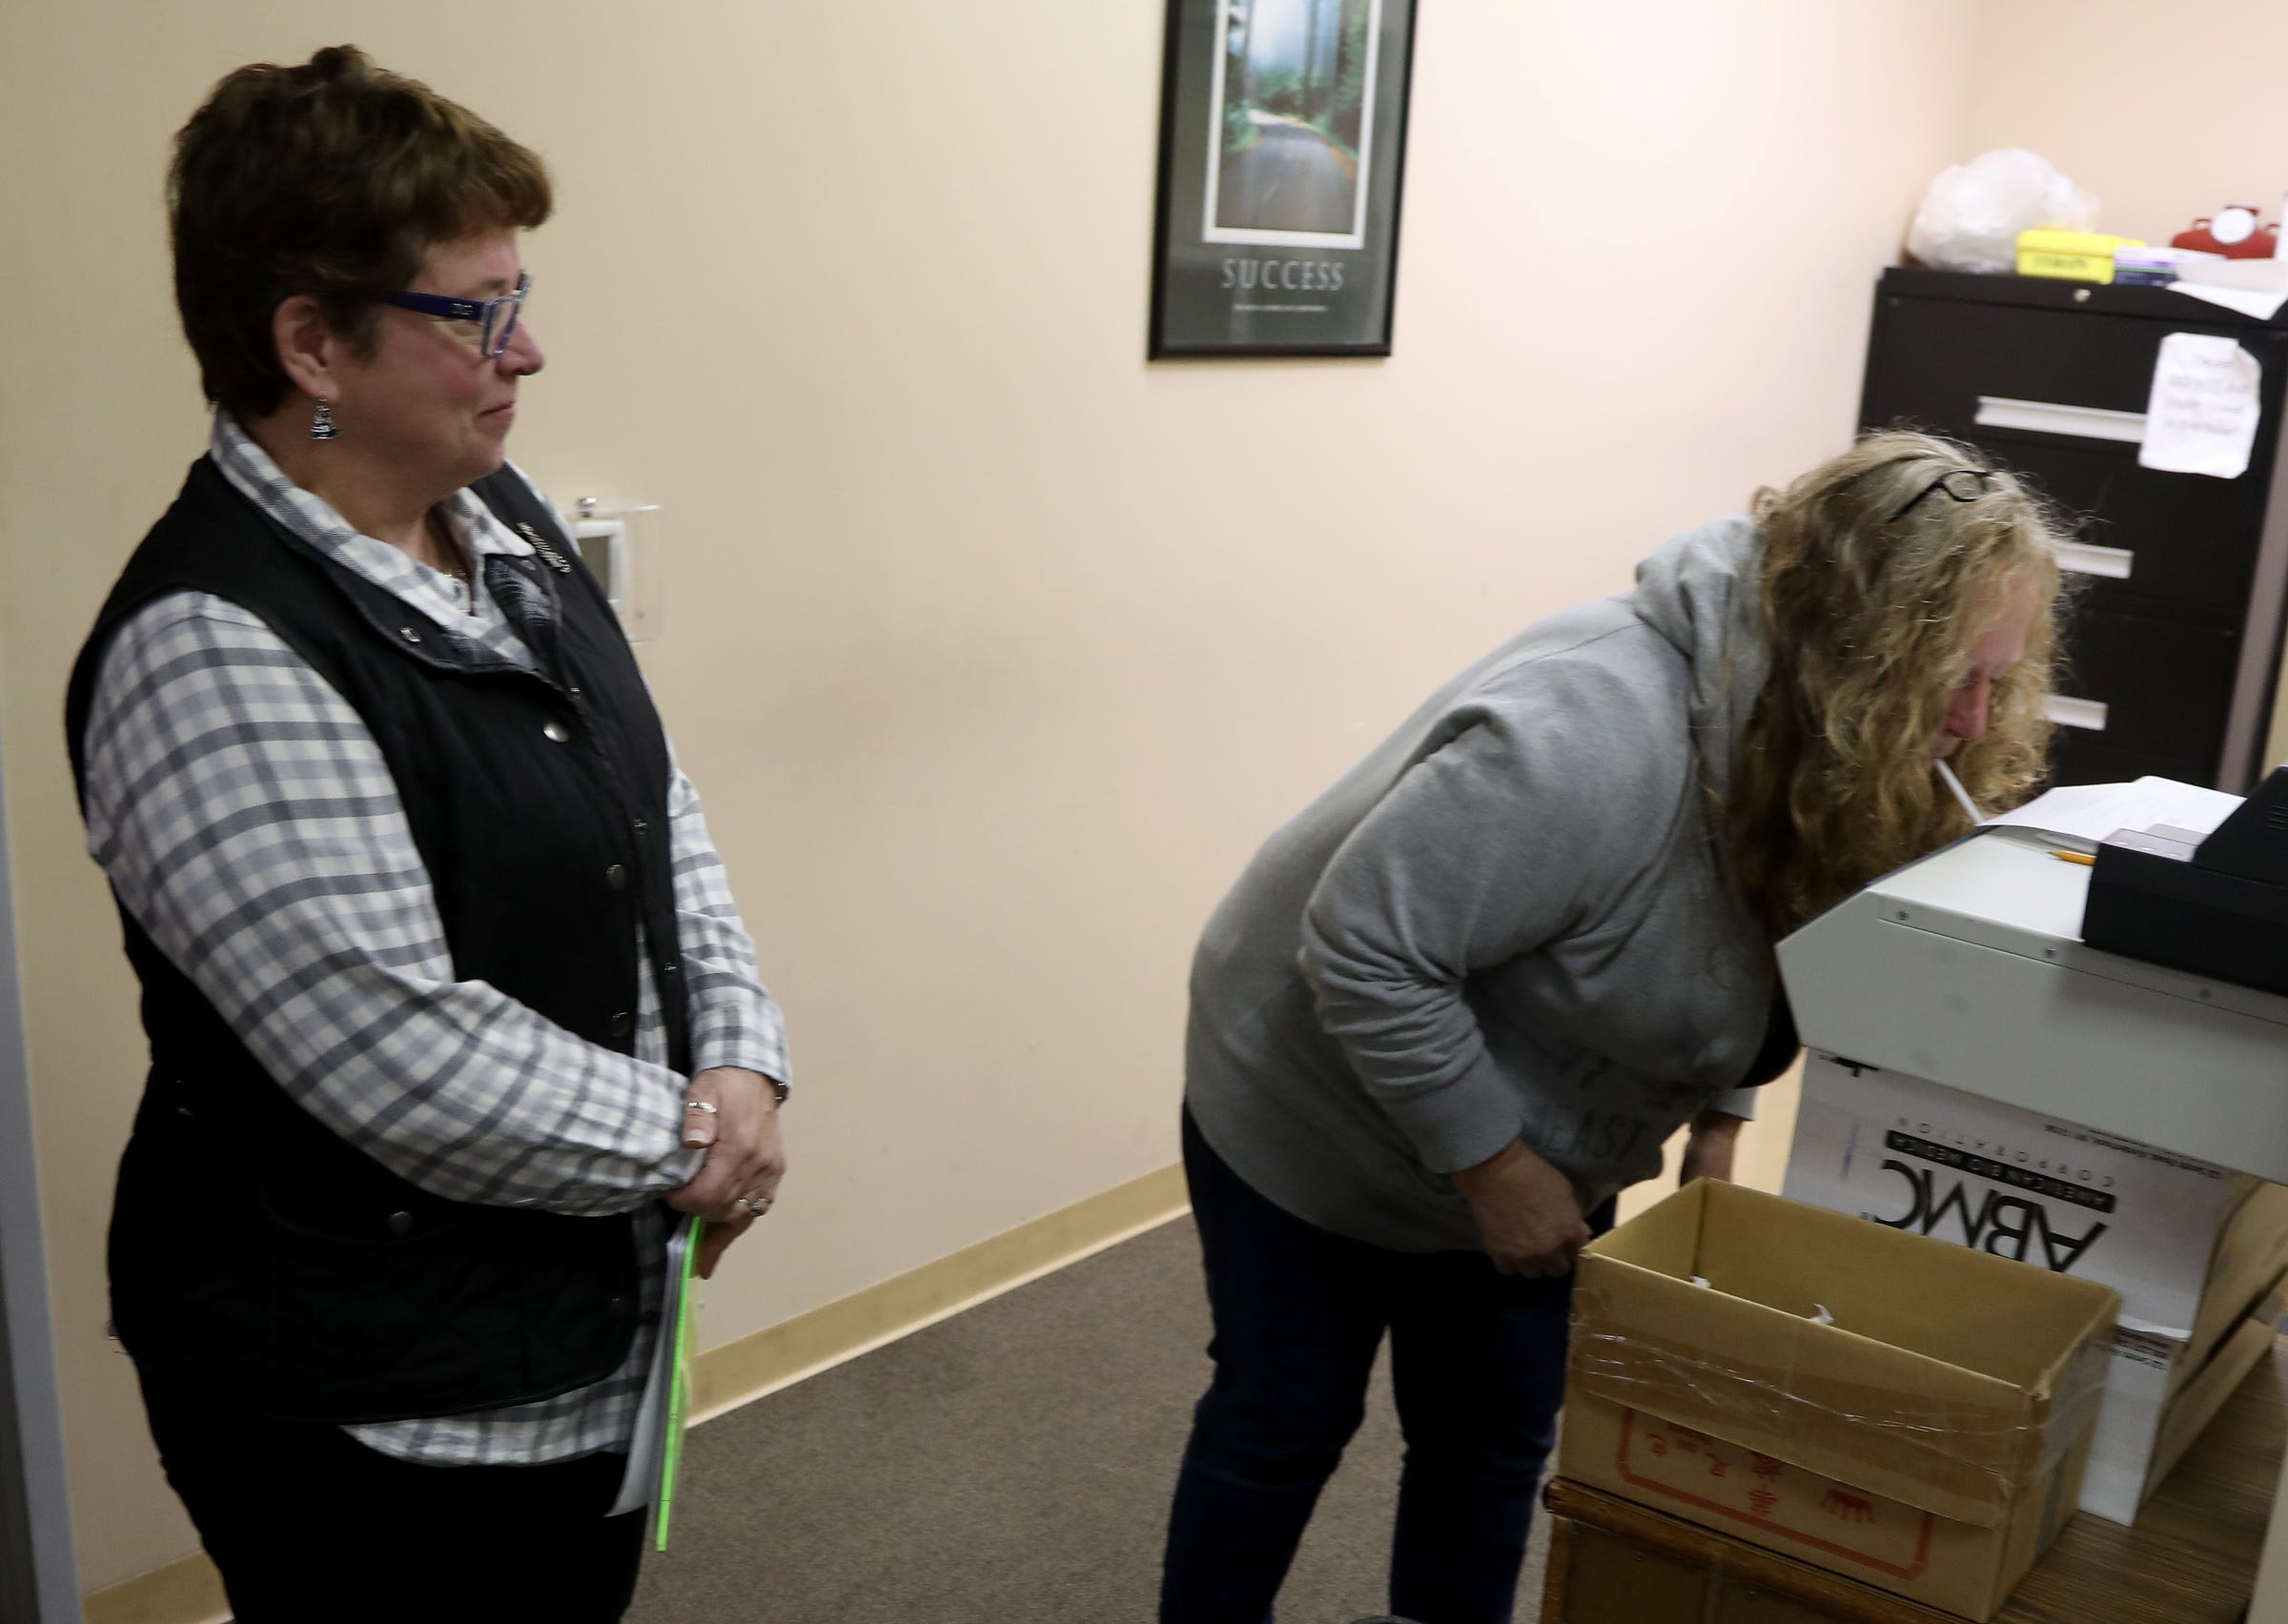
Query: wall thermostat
(620, 543)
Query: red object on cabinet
(2233, 232)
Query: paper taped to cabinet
(2201, 417)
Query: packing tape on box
(1937, 1453)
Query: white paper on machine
(2092, 811)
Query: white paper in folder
(2201, 417)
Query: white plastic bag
(1972, 213)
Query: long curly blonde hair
(1868, 613)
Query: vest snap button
(408, 634)
(623, 1023)
(619, 1307)
(400, 1225)
(616, 876)
(556, 732)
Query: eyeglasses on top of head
(1962, 484)
(495, 318)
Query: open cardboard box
(2157, 1398)
(2190, 1246)
(2187, 1244)
(1929, 1441)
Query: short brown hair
(333, 179)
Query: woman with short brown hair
(449, 1004)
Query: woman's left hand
(1708, 1152)
(745, 1156)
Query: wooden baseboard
(190, 1591)
(780, 1355)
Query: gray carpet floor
(1010, 1465)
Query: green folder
(679, 1388)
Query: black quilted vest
(260, 1262)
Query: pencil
(2082, 858)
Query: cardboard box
(1929, 1441)
(1938, 1161)
(2190, 1246)
(1614, 1562)
(2157, 1398)
(2250, 1254)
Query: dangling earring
(322, 426)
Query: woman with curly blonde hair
(1459, 1003)
(1880, 569)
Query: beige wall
(2165, 124)
(2165, 114)
(994, 649)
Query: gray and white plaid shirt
(248, 822)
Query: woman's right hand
(1527, 1212)
(745, 1156)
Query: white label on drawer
(2085, 558)
(2069, 712)
(2050, 418)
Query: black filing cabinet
(2173, 652)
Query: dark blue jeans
(1478, 1361)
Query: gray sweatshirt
(1508, 921)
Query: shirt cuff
(1736, 1102)
(1458, 1124)
(750, 1045)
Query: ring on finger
(708, 1106)
(756, 1205)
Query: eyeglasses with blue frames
(1963, 484)
(495, 320)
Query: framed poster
(1283, 136)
